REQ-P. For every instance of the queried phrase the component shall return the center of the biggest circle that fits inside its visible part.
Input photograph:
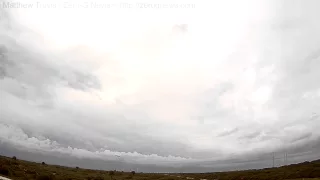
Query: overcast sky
(191, 85)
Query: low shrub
(4, 170)
(98, 178)
(111, 173)
(44, 177)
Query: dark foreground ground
(24, 170)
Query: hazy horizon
(192, 86)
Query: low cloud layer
(161, 92)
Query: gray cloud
(302, 137)
(226, 133)
(251, 135)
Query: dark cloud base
(308, 152)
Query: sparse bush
(77, 167)
(14, 162)
(14, 158)
(43, 163)
(95, 178)
(4, 170)
(5, 162)
(44, 177)
(111, 173)
(30, 172)
(133, 172)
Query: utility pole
(273, 159)
(119, 158)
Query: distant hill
(25, 170)
(293, 171)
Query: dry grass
(24, 170)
